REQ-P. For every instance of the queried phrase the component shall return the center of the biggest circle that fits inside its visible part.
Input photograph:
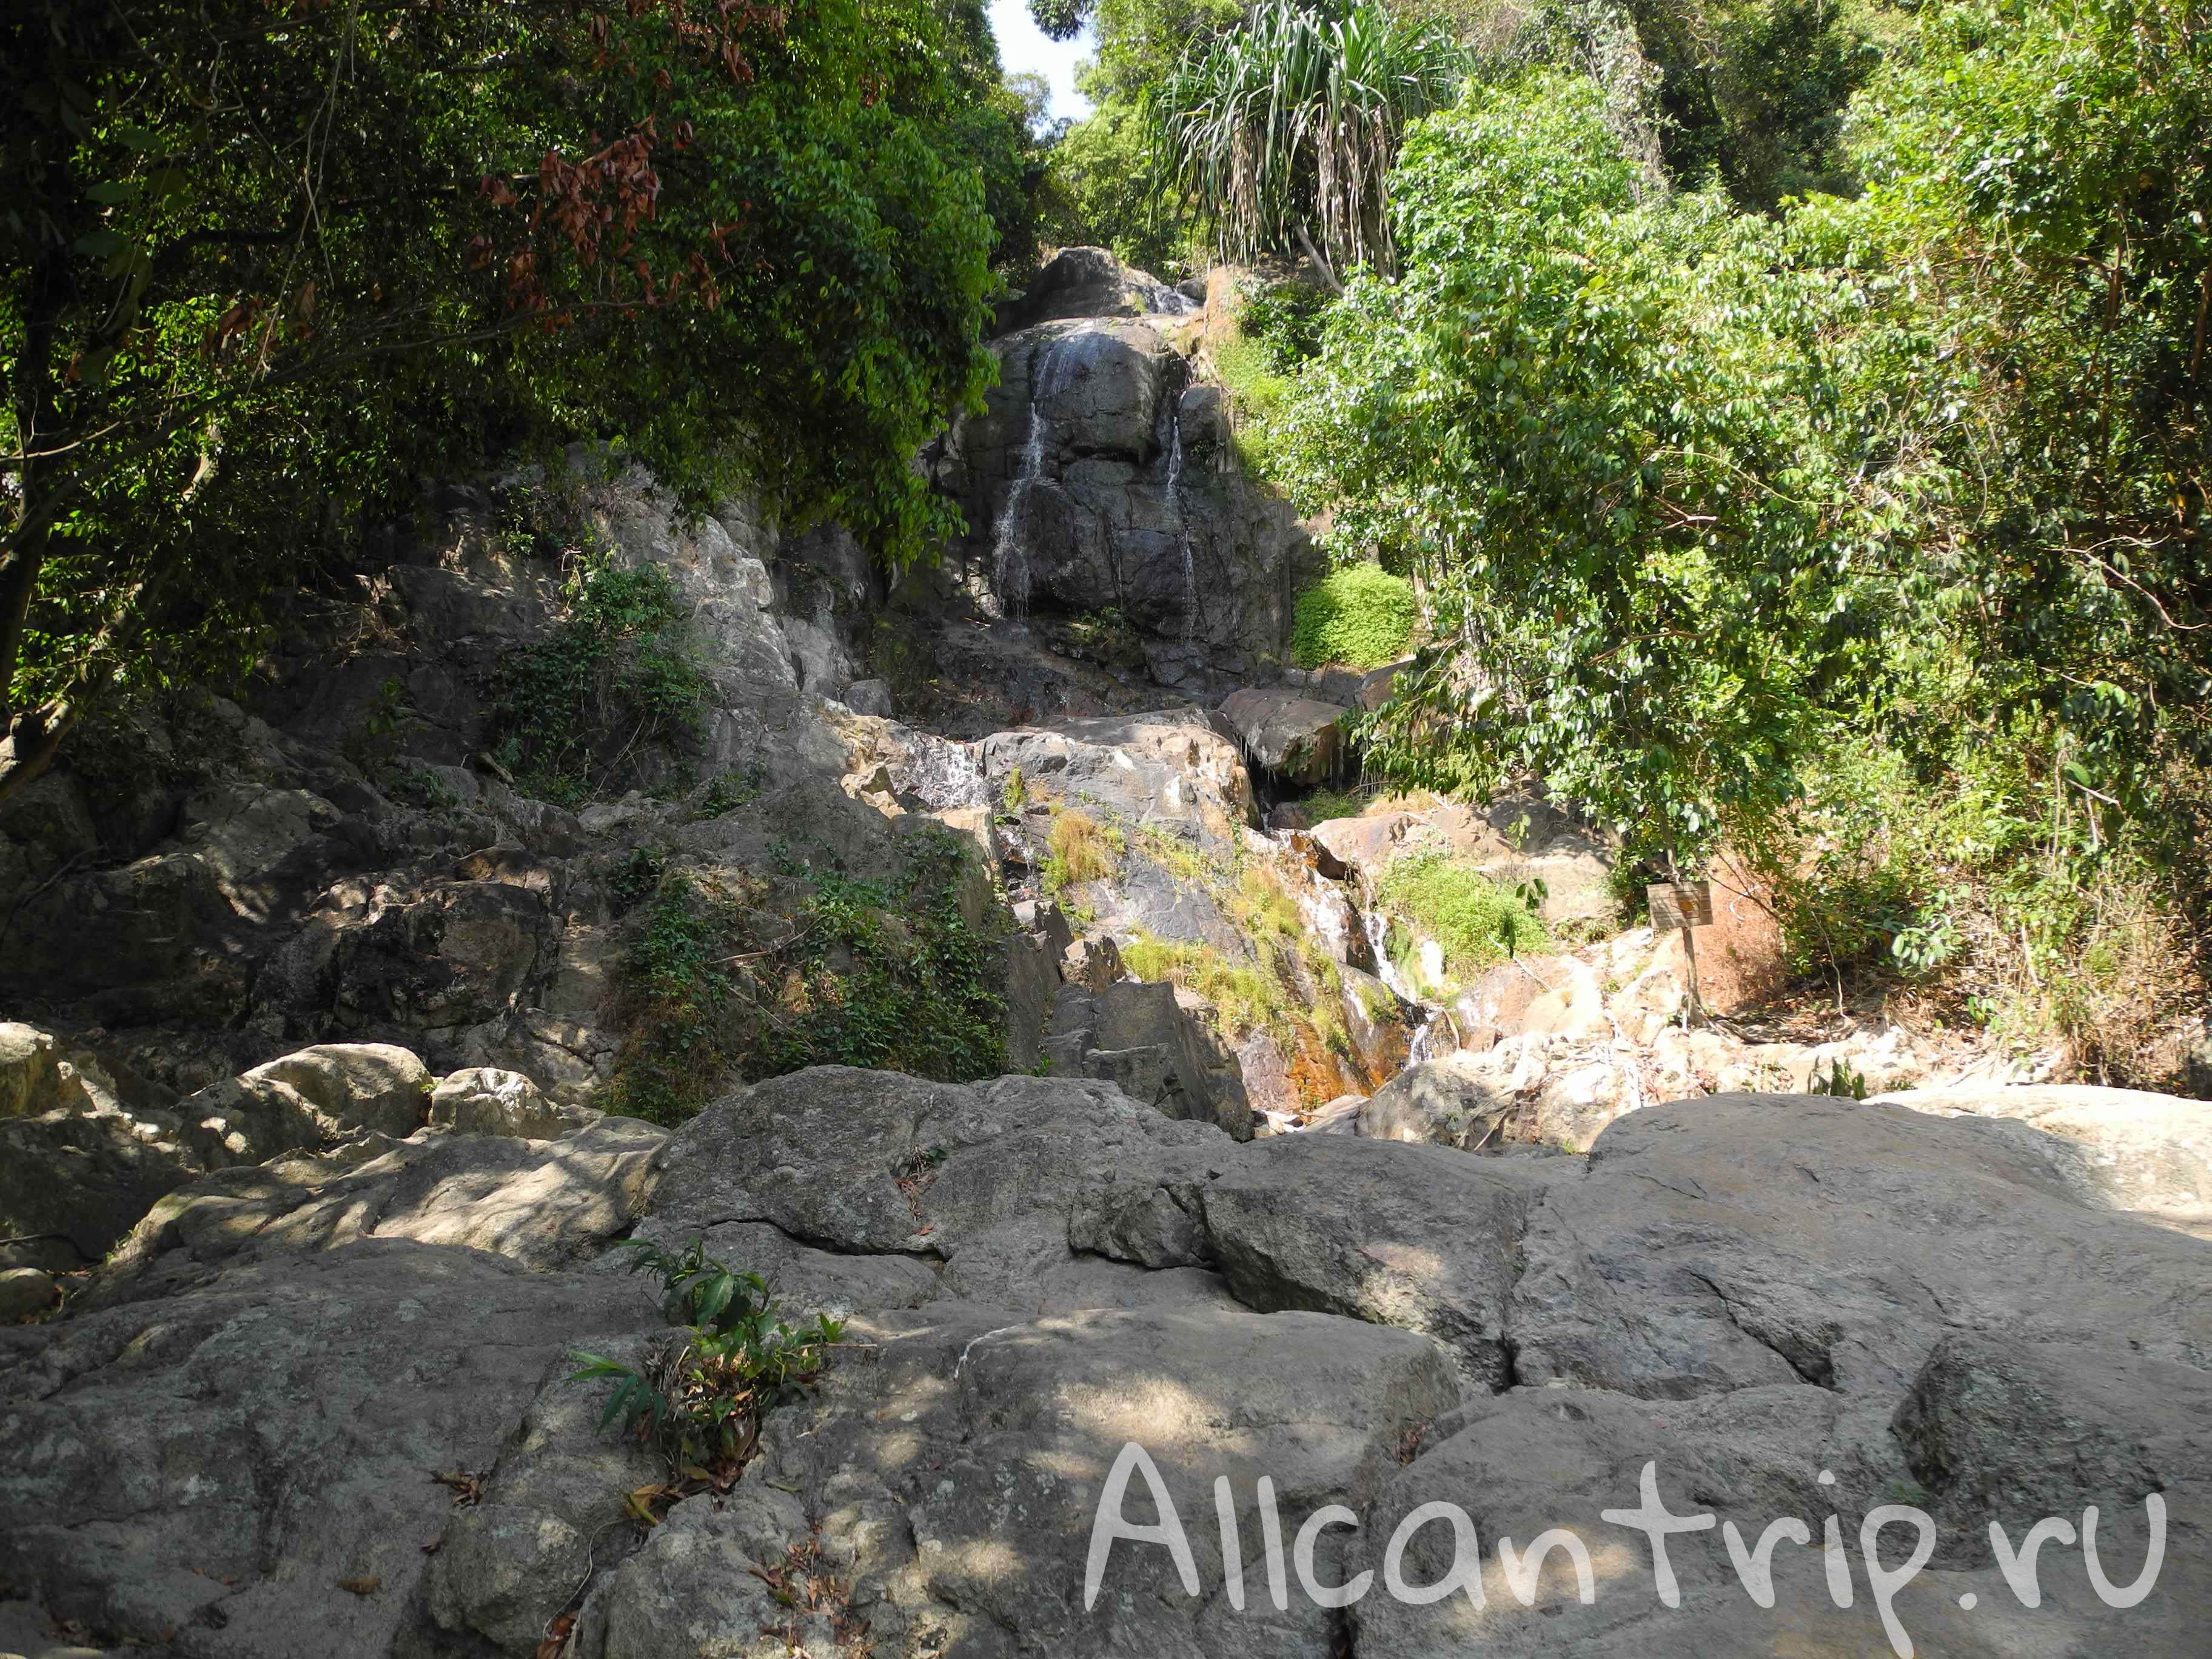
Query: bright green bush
(1360, 616)
(1477, 922)
(1245, 998)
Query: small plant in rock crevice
(636, 875)
(739, 787)
(386, 723)
(700, 1394)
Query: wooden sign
(1681, 904)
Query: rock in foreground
(1783, 1306)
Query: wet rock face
(1101, 478)
(1090, 281)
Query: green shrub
(1358, 614)
(1286, 318)
(890, 974)
(699, 1400)
(610, 675)
(1244, 998)
(1108, 636)
(729, 791)
(885, 973)
(1258, 393)
(1477, 922)
(1959, 882)
(686, 1026)
(1323, 804)
(637, 876)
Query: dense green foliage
(1697, 491)
(1282, 132)
(613, 672)
(724, 980)
(1477, 922)
(1560, 416)
(264, 265)
(892, 975)
(1754, 91)
(1100, 193)
(1101, 189)
(1716, 509)
(1358, 616)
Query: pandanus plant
(1283, 130)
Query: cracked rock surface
(1787, 1306)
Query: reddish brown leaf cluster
(557, 1637)
(593, 204)
(803, 1582)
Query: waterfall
(1422, 1045)
(1010, 556)
(1377, 928)
(1182, 531)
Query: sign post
(1687, 905)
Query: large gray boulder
(1297, 738)
(543, 1205)
(1174, 769)
(1415, 1236)
(78, 1172)
(485, 1100)
(1832, 1242)
(248, 1469)
(2148, 1154)
(30, 1077)
(1137, 1035)
(1453, 1102)
(1539, 1461)
(1778, 1306)
(858, 1190)
(971, 1537)
(1090, 281)
(309, 1098)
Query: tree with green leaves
(1700, 494)
(263, 265)
(1591, 426)
(1282, 132)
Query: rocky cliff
(970, 957)
(1102, 478)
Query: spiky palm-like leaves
(1291, 122)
